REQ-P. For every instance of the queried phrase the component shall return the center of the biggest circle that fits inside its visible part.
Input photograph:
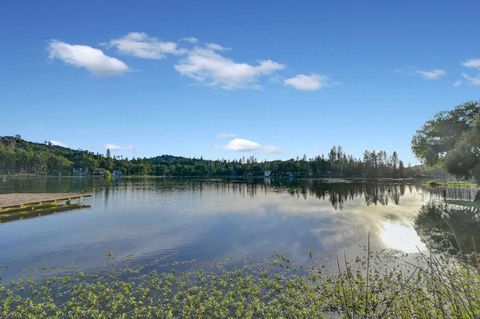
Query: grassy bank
(452, 184)
(275, 289)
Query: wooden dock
(19, 202)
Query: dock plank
(14, 200)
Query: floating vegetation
(431, 288)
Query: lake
(137, 221)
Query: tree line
(18, 156)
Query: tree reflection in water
(449, 228)
(340, 193)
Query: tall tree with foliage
(452, 140)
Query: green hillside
(18, 156)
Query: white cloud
(431, 75)
(191, 40)
(304, 82)
(227, 135)
(84, 56)
(118, 148)
(472, 80)
(457, 83)
(215, 47)
(208, 66)
(472, 63)
(57, 143)
(243, 145)
(143, 46)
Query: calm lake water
(137, 221)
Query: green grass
(435, 288)
(451, 184)
(434, 184)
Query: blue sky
(226, 79)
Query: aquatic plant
(431, 287)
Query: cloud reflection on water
(147, 219)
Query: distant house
(79, 171)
